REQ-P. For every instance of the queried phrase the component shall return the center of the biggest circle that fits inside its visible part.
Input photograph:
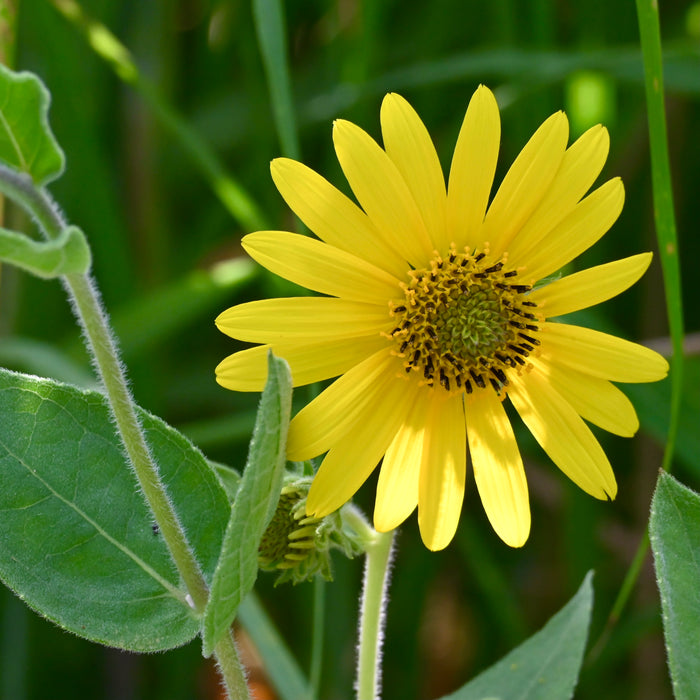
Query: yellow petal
(354, 454)
(498, 467)
(247, 370)
(338, 409)
(473, 167)
(589, 220)
(302, 318)
(321, 267)
(590, 287)
(600, 354)
(382, 193)
(563, 435)
(408, 144)
(397, 488)
(332, 216)
(442, 474)
(525, 184)
(579, 169)
(596, 400)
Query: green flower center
(464, 323)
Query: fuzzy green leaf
(674, 531)
(26, 141)
(544, 667)
(77, 541)
(254, 507)
(69, 253)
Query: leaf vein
(172, 590)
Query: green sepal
(674, 532)
(27, 143)
(77, 541)
(67, 254)
(255, 504)
(545, 666)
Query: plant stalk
(664, 220)
(373, 604)
(231, 669)
(101, 345)
(85, 298)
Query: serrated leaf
(545, 666)
(77, 541)
(674, 531)
(254, 506)
(26, 140)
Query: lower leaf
(545, 666)
(77, 541)
(674, 531)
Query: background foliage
(160, 234)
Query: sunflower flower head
(437, 312)
(296, 545)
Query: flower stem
(230, 668)
(372, 607)
(85, 299)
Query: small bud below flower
(298, 546)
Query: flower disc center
(472, 324)
(464, 322)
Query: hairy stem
(378, 548)
(98, 335)
(231, 669)
(101, 345)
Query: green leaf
(674, 531)
(544, 667)
(26, 141)
(77, 541)
(254, 507)
(69, 253)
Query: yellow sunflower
(434, 317)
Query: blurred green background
(168, 260)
